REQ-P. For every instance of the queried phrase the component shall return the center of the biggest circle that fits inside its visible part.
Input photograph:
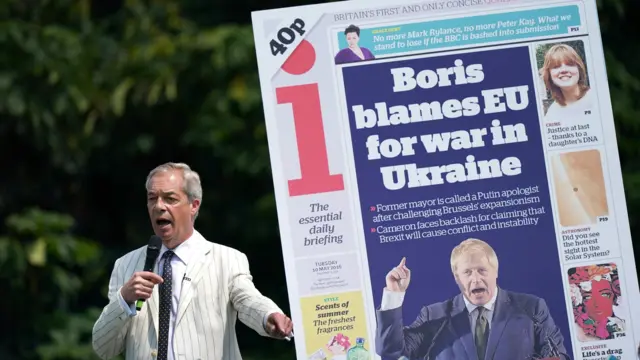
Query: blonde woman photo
(565, 77)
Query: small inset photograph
(580, 191)
(353, 52)
(597, 302)
(564, 80)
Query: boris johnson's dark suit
(521, 329)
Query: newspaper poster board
(447, 180)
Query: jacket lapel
(499, 322)
(462, 328)
(152, 307)
(195, 270)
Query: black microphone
(153, 250)
(444, 323)
(536, 324)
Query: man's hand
(279, 325)
(399, 277)
(140, 286)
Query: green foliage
(91, 102)
(623, 71)
(48, 268)
(70, 340)
(85, 77)
(92, 98)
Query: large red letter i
(307, 114)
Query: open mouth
(478, 291)
(163, 222)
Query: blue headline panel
(460, 155)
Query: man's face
(476, 277)
(169, 208)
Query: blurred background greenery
(93, 94)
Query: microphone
(547, 339)
(153, 250)
(444, 323)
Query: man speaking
(198, 289)
(483, 322)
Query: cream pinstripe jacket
(221, 290)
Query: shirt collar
(187, 250)
(488, 306)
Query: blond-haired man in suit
(483, 321)
(194, 295)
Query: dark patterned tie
(482, 333)
(165, 307)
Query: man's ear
(195, 205)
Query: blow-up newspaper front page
(447, 180)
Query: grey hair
(191, 184)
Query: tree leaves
(119, 96)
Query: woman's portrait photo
(563, 72)
(353, 52)
(597, 302)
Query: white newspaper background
(313, 171)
